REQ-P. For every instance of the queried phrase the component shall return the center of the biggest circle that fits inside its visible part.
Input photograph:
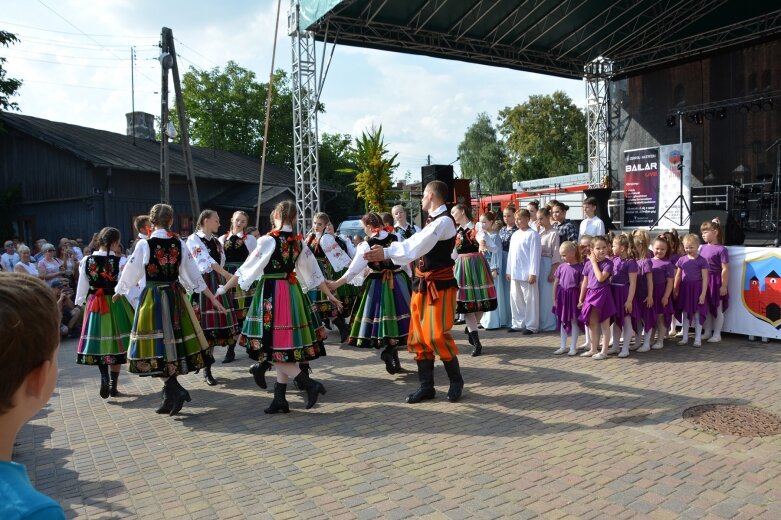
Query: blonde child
(645, 286)
(584, 248)
(659, 315)
(691, 288)
(718, 278)
(596, 300)
(623, 286)
(566, 290)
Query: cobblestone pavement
(535, 435)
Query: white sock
(471, 322)
(647, 338)
(718, 323)
(685, 328)
(661, 329)
(563, 335)
(627, 333)
(573, 345)
(616, 336)
(708, 327)
(697, 328)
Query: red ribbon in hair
(389, 229)
(98, 302)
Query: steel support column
(597, 76)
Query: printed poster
(641, 187)
(671, 157)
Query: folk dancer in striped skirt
(144, 228)
(238, 244)
(433, 303)
(476, 291)
(220, 328)
(105, 334)
(381, 316)
(166, 339)
(281, 325)
(333, 260)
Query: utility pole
(133, 90)
(164, 173)
(168, 61)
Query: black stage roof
(550, 37)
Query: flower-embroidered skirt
(166, 338)
(241, 298)
(347, 293)
(381, 317)
(105, 333)
(281, 325)
(219, 328)
(476, 291)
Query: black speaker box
(733, 233)
(439, 172)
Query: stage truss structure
(597, 75)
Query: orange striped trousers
(430, 324)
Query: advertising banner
(641, 187)
(671, 157)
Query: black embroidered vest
(236, 249)
(214, 247)
(385, 242)
(314, 244)
(102, 272)
(466, 241)
(283, 259)
(439, 256)
(406, 233)
(165, 255)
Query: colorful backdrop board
(670, 158)
(641, 187)
(755, 292)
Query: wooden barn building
(62, 180)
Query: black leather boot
(113, 392)
(327, 323)
(344, 330)
(177, 394)
(304, 367)
(207, 376)
(469, 336)
(258, 371)
(279, 404)
(426, 377)
(396, 363)
(104, 381)
(474, 339)
(313, 388)
(165, 406)
(453, 370)
(387, 356)
(230, 355)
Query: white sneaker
(684, 342)
(634, 346)
(572, 352)
(706, 335)
(714, 339)
(560, 351)
(599, 356)
(658, 345)
(697, 344)
(644, 348)
(623, 354)
(587, 353)
(613, 350)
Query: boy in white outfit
(523, 265)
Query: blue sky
(424, 104)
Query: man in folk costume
(433, 302)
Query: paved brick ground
(535, 435)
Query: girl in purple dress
(566, 291)
(644, 298)
(718, 278)
(676, 252)
(584, 250)
(596, 301)
(623, 285)
(659, 315)
(691, 288)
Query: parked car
(351, 228)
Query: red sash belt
(98, 303)
(431, 277)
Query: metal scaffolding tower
(305, 96)
(597, 74)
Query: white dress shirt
(200, 252)
(423, 241)
(592, 226)
(523, 257)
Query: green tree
(8, 86)
(482, 157)
(374, 168)
(336, 169)
(226, 110)
(545, 137)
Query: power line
(65, 43)
(86, 86)
(23, 51)
(73, 33)
(196, 52)
(87, 65)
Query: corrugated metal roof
(102, 148)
